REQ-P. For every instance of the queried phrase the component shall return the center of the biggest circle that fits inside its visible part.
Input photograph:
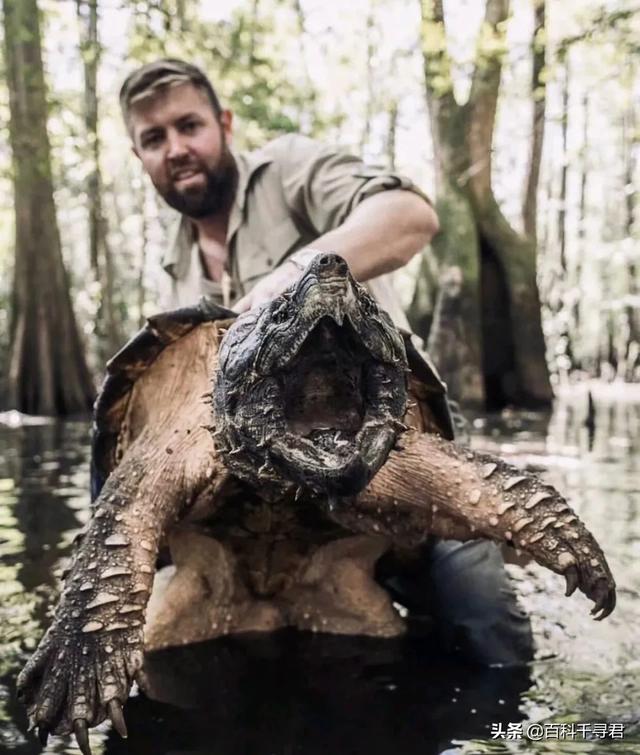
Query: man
(249, 224)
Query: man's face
(183, 148)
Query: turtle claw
(81, 730)
(114, 710)
(593, 578)
(571, 575)
(605, 601)
(71, 689)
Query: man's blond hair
(152, 78)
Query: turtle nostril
(341, 265)
(334, 262)
(330, 264)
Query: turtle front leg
(432, 486)
(83, 669)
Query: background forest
(521, 120)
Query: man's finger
(242, 305)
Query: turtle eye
(369, 306)
(282, 314)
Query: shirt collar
(176, 258)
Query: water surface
(296, 693)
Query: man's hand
(269, 287)
(279, 280)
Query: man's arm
(380, 235)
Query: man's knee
(474, 603)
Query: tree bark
(422, 307)
(562, 203)
(181, 15)
(144, 242)
(302, 30)
(47, 368)
(369, 79)
(630, 148)
(108, 327)
(582, 227)
(392, 128)
(538, 93)
(486, 335)
(572, 333)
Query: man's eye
(150, 141)
(189, 127)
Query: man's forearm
(382, 234)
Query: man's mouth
(186, 176)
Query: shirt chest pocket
(258, 255)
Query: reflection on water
(305, 694)
(296, 693)
(588, 671)
(43, 500)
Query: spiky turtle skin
(305, 559)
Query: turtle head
(311, 386)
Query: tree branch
(600, 23)
(485, 87)
(444, 111)
(437, 63)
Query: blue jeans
(465, 591)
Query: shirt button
(269, 262)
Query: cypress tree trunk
(369, 81)
(538, 93)
(486, 335)
(108, 327)
(47, 367)
(392, 128)
(144, 242)
(562, 201)
(630, 149)
(575, 349)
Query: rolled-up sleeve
(322, 186)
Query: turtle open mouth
(327, 397)
(324, 389)
(312, 389)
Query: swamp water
(298, 694)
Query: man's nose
(176, 146)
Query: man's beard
(216, 196)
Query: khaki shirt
(289, 192)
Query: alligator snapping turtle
(331, 444)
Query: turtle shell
(430, 412)
(124, 369)
(429, 392)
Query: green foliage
(256, 59)
(245, 56)
(603, 24)
(592, 306)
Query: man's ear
(226, 121)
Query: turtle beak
(325, 290)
